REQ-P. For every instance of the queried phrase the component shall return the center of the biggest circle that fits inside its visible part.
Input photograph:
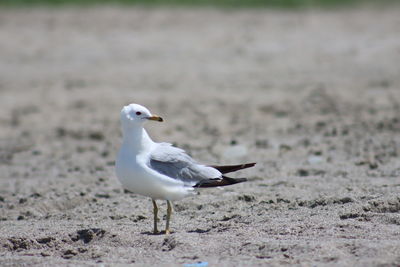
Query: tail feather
(232, 168)
(219, 182)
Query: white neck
(136, 138)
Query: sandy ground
(312, 96)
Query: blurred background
(218, 3)
(265, 56)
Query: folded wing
(175, 163)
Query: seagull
(159, 170)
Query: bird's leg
(169, 212)
(155, 211)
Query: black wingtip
(232, 168)
(234, 180)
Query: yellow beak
(155, 118)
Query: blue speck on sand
(197, 264)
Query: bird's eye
(138, 113)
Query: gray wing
(175, 163)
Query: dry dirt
(312, 96)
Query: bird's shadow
(152, 233)
(199, 231)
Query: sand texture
(312, 96)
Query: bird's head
(136, 115)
